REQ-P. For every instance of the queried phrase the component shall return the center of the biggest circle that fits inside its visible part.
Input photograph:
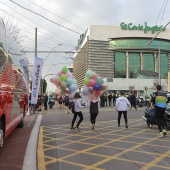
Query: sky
(60, 23)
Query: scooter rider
(159, 101)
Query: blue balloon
(97, 87)
(69, 81)
(86, 90)
(73, 87)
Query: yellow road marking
(40, 152)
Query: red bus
(13, 91)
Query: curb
(30, 158)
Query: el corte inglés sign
(145, 28)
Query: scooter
(151, 119)
(51, 103)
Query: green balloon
(63, 77)
(64, 69)
(100, 81)
(89, 73)
(86, 81)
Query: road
(105, 148)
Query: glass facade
(141, 57)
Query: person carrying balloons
(94, 110)
(77, 112)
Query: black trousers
(75, 117)
(160, 118)
(125, 116)
(93, 118)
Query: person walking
(94, 110)
(77, 111)
(45, 101)
(110, 98)
(122, 105)
(133, 101)
(66, 99)
(160, 103)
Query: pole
(159, 66)
(34, 105)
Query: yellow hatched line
(41, 158)
(123, 152)
(156, 160)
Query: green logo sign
(144, 28)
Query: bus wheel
(1, 135)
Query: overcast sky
(76, 15)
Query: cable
(56, 15)
(164, 11)
(36, 24)
(45, 17)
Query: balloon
(71, 95)
(58, 79)
(63, 84)
(100, 81)
(64, 69)
(97, 87)
(63, 77)
(67, 90)
(91, 83)
(94, 76)
(104, 86)
(91, 96)
(68, 74)
(89, 73)
(98, 93)
(91, 90)
(86, 81)
(74, 81)
(69, 81)
(85, 90)
(59, 73)
(73, 87)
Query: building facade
(122, 56)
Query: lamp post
(159, 52)
(51, 51)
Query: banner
(38, 63)
(24, 65)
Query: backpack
(73, 107)
(66, 99)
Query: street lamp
(159, 52)
(51, 51)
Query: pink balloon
(69, 74)
(104, 86)
(60, 72)
(91, 90)
(91, 83)
(71, 95)
(94, 76)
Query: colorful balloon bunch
(94, 85)
(65, 81)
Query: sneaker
(150, 126)
(161, 135)
(118, 125)
(126, 125)
(72, 128)
(77, 128)
(164, 132)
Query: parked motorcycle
(143, 102)
(151, 119)
(51, 103)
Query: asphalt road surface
(107, 147)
